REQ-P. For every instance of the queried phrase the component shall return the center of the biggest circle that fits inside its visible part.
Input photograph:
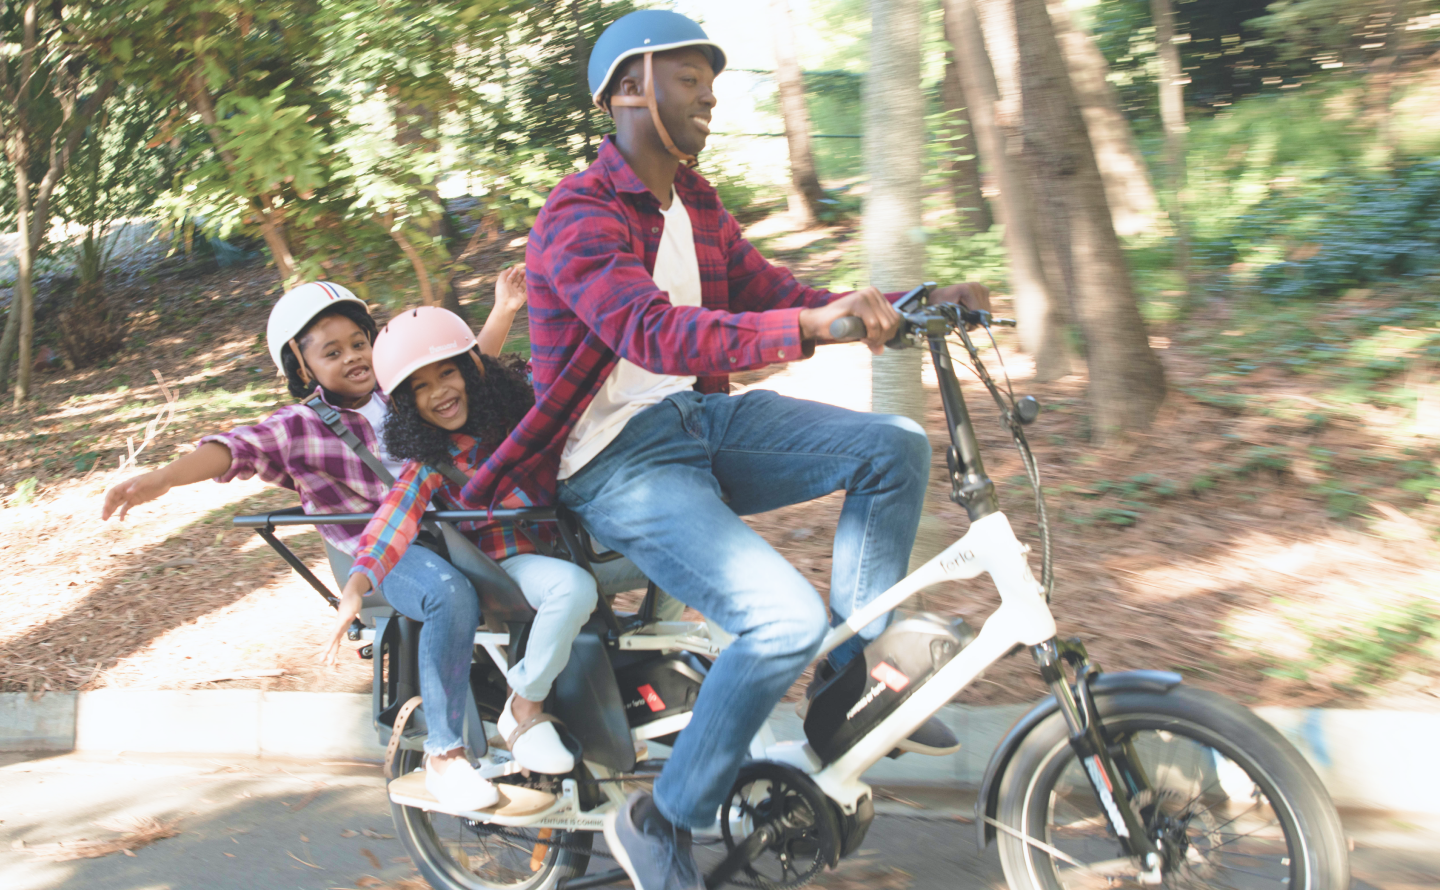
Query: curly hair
(495, 403)
(346, 309)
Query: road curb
(1368, 759)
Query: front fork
(1114, 770)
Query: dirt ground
(1205, 545)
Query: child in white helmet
(452, 405)
(320, 337)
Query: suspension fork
(1115, 773)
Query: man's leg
(774, 451)
(652, 495)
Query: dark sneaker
(654, 853)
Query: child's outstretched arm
(351, 598)
(509, 297)
(206, 462)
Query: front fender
(988, 804)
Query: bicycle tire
(447, 866)
(1036, 798)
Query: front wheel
(459, 854)
(1230, 802)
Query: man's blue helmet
(645, 31)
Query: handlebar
(925, 320)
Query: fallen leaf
(370, 832)
(374, 860)
(231, 855)
(304, 839)
(301, 861)
(349, 832)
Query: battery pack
(871, 686)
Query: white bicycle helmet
(293, 311)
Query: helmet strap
(300, 361)
(475, 357)
(648, 101)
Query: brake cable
(1009, 414)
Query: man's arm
(587, 257)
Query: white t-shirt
(377, 411)
(630, 388)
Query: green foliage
(24, 493)
(1371, 652)
(981, 257)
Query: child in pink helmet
(452, 405)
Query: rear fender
(988, 804)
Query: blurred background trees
(1149, 159)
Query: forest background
(1221, 232)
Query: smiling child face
(439, 391)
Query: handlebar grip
(843, 330)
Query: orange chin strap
(648, 101)
(300, 360)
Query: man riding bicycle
(644, 297)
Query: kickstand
(740, 857)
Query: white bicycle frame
(1023, 619)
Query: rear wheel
(1230, 802)
(459, 854)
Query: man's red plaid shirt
(592, 300)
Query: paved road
(273, 825)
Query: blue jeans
(563, 595)
(424, 587)
(655, 494)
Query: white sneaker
(459, 787)
(538, 748)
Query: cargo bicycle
(1129, 779)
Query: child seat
(501, 601)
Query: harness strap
(331, 418)
(401, 718)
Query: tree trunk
(1127, 181)
(1172, 116)
(804, 192)
(272, 216)
(1380, 84)
(962, 161)
(33, 211)
(1127, 381)
(24, 284)
(894, 161)
(983, 53)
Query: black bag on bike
(868, 688)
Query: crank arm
(740, 857)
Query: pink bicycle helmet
(416, 338)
